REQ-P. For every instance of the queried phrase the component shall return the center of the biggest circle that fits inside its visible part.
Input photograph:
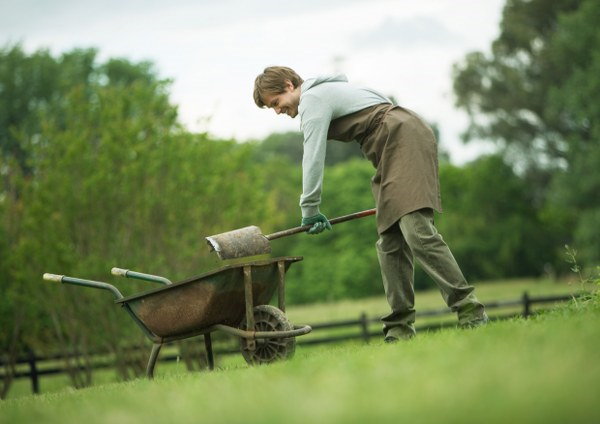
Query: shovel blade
(247, 241)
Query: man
(403, 150)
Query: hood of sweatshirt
(312, 82)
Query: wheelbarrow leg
(281, 285)
(209, 351)
(152, 361)
(251, 344)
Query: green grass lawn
(376, 307)
(544, 369)
(323, 312)
(430, 299)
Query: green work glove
(319, 223)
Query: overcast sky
(213, 50)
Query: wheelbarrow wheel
(268, 318)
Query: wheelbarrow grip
(85, 283)
(53, 277)
(333, 221)
(120, 272)
(127, 273)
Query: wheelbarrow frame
(158, 341)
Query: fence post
(526, 304)
(364, 325)
(35, 381)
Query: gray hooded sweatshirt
(322, 100)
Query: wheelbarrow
(222, 300)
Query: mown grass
(430, 299)
(544, 370)
(375, 307)
(323, 312)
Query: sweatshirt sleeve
(316, 116)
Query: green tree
(290, 145)
(30, 84)
(110, 178)
(70, 208)
(575, 60)
(506, 93)
(491, 223)
(341, 263)
(533, 94)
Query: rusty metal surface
(241, 243)
(250, 241)
(213, 298)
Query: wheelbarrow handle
(127, 273)
(333, 221)
(85, 283)
(252, 335)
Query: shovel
(250, 241)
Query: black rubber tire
(268, 318)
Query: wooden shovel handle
(333, 221)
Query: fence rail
(526, 303)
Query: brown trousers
(415, 237)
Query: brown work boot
(396, 334)
(471, 315)
(476, 322)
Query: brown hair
(272, 80)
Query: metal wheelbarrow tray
(223, 300)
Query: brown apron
(403, 150)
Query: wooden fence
(34, 369)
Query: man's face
(286, 102)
